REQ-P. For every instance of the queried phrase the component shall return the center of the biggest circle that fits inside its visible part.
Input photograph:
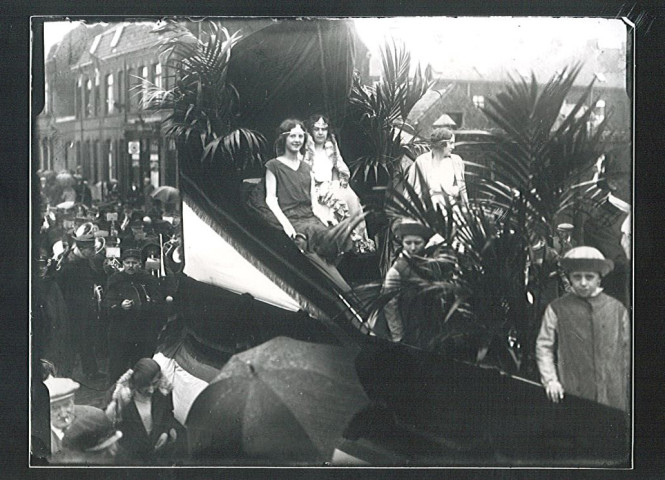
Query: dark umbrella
(166, 194)
(283, 401)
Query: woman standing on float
(333, 198)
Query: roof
(119, 39)
(444, 121)
(607, 64)
(425, 103)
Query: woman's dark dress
(294, 199)
(136, 443)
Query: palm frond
(380, 111)
(203, 101)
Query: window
(77, 98)
(87, 98)
(45, 154)
(46, 98)
(144, 85)
(86, 159)
(96, 162)
(97, 102)
(479, 101)
(78, 154)
(110, 108)
(121, 84)
(130, 97)
(157, 75)
(111, 163)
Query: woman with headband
(333, 198)
(283, 198)
(442, 171)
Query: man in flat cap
(135, 303)
(61, 394)
(441, 170)
(583, 347)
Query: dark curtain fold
(293, 69)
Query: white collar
(598, 291)
(58, 432)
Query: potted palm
(203, 103)
(491, 291)
(380, 111)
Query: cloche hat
(586, 259)
(411, 227)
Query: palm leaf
(203, 102)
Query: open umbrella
(285, 401)
(166, 194)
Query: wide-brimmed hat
(60, 388)
(586, 259)
(87, 233)
(411, 227)
(91, 431)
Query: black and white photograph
(349, 242)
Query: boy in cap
(442, 171)
(401, 311)
(61, 395)
(583, 347)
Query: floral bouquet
(326, 197)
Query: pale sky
(481, 40)
(54, 31)
(475, 39)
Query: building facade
(93, 120)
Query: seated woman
(141, 407)
(283, 198)
(333, 199)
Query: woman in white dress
(333, 199)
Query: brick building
(462, 89)
(92, 120)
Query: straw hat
(60, 388)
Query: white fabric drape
(210, 259)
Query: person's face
(319, 132)
(149, 389)
(413, 244)
(585, 284)
(62, 413)
(87, 249)
(131, 265)
(295, 139)
(449, 146)
(564, 236)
